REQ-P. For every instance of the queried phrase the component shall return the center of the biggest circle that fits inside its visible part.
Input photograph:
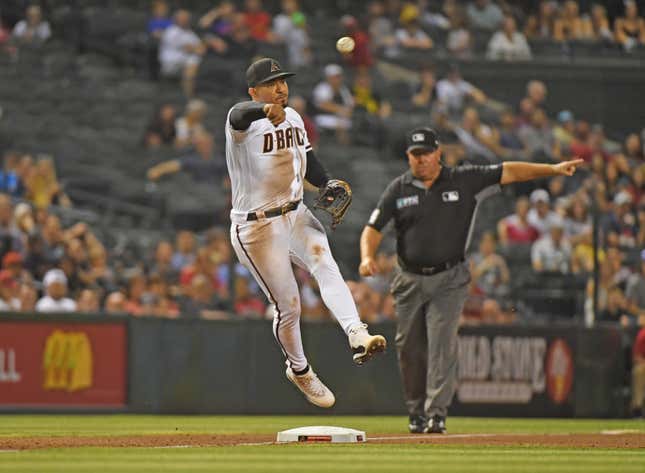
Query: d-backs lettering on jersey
(266, 164)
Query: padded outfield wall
(151, 365)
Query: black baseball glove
(334, 199)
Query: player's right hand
(368, 267)
(275, 113)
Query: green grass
(309, 458)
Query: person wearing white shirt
(334, 102)
(180, 51)
(33, 29)
(55, 283)
(552, 252)
(541, 216)
(508, 43)
(453, 90)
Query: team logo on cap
(275, 67)
(417, 137)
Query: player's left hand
(568, 168)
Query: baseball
(345, 45)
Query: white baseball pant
(268, 247)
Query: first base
(322, 433)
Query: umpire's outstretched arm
(518, 171)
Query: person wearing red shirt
(515, 229)
(638, 373)
(257, 20)
(361, 55)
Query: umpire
(433, 207)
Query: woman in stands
(630, 29)
(571, 25)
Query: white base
(322, 433)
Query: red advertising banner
(73, 364)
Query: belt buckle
(285, 208)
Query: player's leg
(448, 294)
(263, 248)
(411, 345)
(309, 246)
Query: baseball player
(433, 208)
(269, 157)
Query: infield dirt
(620, 440)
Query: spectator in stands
(10, 181)
(638, 375)
(508, 136)
(10, 237)
(192, 123)
(335, 104)
(180, 51)
(299, 104)
(541, 25)
(459, 41)
(290, 28)
(200, 301)
(9, 302)
(635, 291)
(43, 188)
(508, 44)
(564, 131)
(616, 309)
(240, 45)
(311, 304)
(246, 303)
(283, 22)
(484, 15)
(536, 92)
(538, 139)
(27, 297)
(202, 164)
(600, 29)
(24, 221)
(137, 285)
(161, 129)
(219, 20)
(33, 29)
(361, 55)
(55, 283)
(410, 35)
(160, 19)
(620, 225)
(640, 239)
(577, 219)
(162, 264)
(371, 111)
(515, 229)
(489, 269)
(540, 215)
(13, 263)
(552, 252)
(165, 306)
(88, 301)
(381, 29)
(629, 30)
(453, 91)
(186, 246)
(570, 25)
(633, 151)
(582, 259)
(257, 20)
(425, 95)
(5, 41)
(479, 139)
(99, 274)
(115, 303)
(367, 301)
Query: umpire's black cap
(422, 138)
(265, 70)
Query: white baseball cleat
(312, 387)
(364, 345)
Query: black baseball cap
(265, 70)
(422, 138)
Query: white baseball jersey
(267, 164)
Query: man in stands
(55, 283)
(180, 51)
(32, 30)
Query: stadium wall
(148, 365)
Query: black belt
(430, 270)
(274, 212)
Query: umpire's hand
(567, 168)
(368, 267)
(275, 113)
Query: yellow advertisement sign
(67, 361)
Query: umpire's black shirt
(433, 225)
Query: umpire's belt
(430, 270)
(274, 212)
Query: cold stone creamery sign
(504, 369)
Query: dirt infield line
(597, 440)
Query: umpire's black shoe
(418, 424)
(436, 425)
